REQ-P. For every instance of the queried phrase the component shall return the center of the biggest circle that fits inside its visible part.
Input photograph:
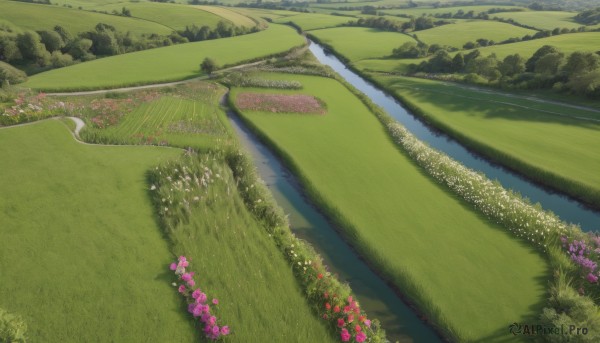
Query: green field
(463, 31)
(81, 255)
(174, 16)
(568, 43)
(194, 121)
(543, 20)
(357, 43)
(312, 21)
(427, 240)
(166, 64)
(231, 15)
(523, 129)
(45, 17)
(419, 11)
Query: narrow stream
(566, 208)
(376, 297)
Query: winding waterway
(566, 208)
(376, 297)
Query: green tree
(581, 62)
(9, 51)
(209, 65)
(512, 65)
(51, 40)
(458, 63)
(541, 52)
(31, 48)
(550, 64)
(80, 49)
(484, 66)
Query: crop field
(174, 16)
(79, 243)
(357, 43)
(525, 130)
(170, 120)
(461, 32)
(44, 17)
(407, 224)
(543, 20)
(166, 64)
(313, 21)
(258, 13)
(231, 15)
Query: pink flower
(357, 328)
(197, 311)
(182, 259)
(181, 289)
(216, 330)
(204, 318)
(215, 301)
(185, 264)
(191, 308)
(212, 320)
(350, 300)
(592, 278)
(206, 309)
(196, 293)
(345, 335)
(361, 337)
(341, 322)
(186, 277)
(173, 266)
(191, 283)
(225, 330)
(201, 298)
(368, 323)
(350, 318)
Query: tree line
(35, 51)
(548, 68)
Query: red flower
(336, 309)
(346, 309)
(320, 276)
(357, 328)
(341, 322)
(350, 318)
(361, 319)
(350, 299)
(327, 306)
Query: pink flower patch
(279, 103)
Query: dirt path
(154, 85)
(79, 124)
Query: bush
(11, 74)
(12, 328)
(209, 65)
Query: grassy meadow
(166, 64)
(357, 43)
(522, 129)
(463, 31)
(313, 21)
(543, 20)
(81, 255)
(423, 10)
(231, 15)
(424, 238)
(174, 16)
(44, 17)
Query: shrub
(209, 65)
(11, 74)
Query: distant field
(312, 21)
(524, 129)
(168, 63)
(81, 255)
(175, 16)
(459, 33)
(543, 20)
(45, 17)
(263, 13)
(412, 225)
(419, 11)
(357, 43)
(231, 15)
(568, 43)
